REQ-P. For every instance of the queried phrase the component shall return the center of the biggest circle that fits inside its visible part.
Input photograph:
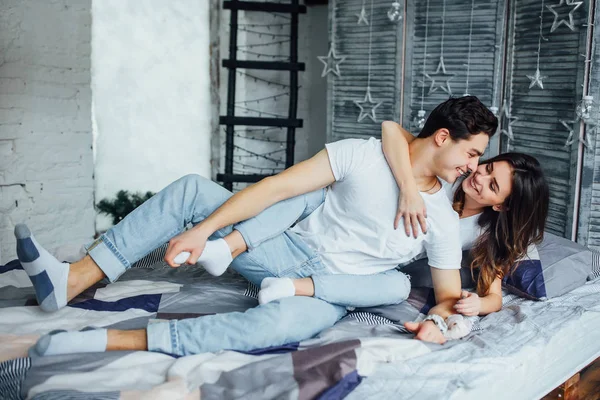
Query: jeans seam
(114, 250)
(304, 264)
(311, 260)
(175, 344)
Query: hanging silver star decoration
(536, 79)
(585, 140)
(367, 107)
(441, 75)
(331, 62)
(508, 132)
(362, 17)
(562, 11)
(568, 124)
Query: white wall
(151, 94)
(46, 165)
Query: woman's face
(489, 185)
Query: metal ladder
(293, 66)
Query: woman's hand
(469, 304)
(192, 241)
(411, 207)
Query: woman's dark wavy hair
(507, 234)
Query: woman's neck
(470, 208)
(469, 212)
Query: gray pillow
(552, 268)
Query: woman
(503, 206)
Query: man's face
(456, 158)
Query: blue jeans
(389, 287)
(190, 200)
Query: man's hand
(411, 207)
(469, 304)
(426, 331)
(192, 241)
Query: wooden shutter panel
(487, 38)
(352, 41)
(539, 131)
(589, 206)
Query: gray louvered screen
(485, 66)
(589, 208)
(538, 131)
(352, 41)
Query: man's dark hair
(463, 117)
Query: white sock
(275, 288)
(458, 326)
(48, 275)
(215, 257)
(63, 342)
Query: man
(350, 233)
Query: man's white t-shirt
(353, 230)
(469, 228)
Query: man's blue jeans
(273, 251)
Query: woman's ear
(499, 207)
(440, 136)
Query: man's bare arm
(312, 174)
(411, 211)
(447, 288)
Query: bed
(522, 352)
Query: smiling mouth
(473, 184)
(461, 172)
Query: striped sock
(48, 275)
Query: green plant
(122, 204)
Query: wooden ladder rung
(256, 121)
(267, 7)
(265, 65)
(250, 178)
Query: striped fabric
(12, 374)
(153, 258)
(595, 265)
(75, 395)
(252, 291)
(369, 318)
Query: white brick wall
(46, 164)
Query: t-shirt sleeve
(349, 155)
(443, 245)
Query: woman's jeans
(273, 252)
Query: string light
(256, 78)
(260, 33)
(260, 113)
(537, 78)
(259, 55)
(253, 45)
(367, 106)
(275, 97)
(469, 53)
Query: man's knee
(303, 317)
(192, 180)
(397, 287)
